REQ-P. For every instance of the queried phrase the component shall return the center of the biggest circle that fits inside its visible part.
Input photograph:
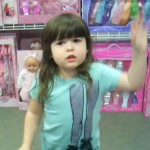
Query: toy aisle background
(109, 21)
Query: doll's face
(32, 64)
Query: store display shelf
(117, 36)
(11, 27)
(99, 36)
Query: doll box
(8, 91)
(118, 56)
(146, 12)
(146, 105)
(1, 19)
(9, 9)
(39, 11)
(107, 15)
(30, 44)
(20, 65)
(108, 50)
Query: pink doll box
(39, 11)
(14, 35)
(9, 9)
(113, 55)
(146, 105)
(1, 19)
(8, 92)
(20, 65)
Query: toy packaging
(9, 9)
(8, 93)
(110, 15)
(146, 105)
(30, 44)
(146, 11)
(27, 77)
(118, 55)
(1, 19)
(40, 11)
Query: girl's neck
(68, 74)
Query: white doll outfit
(24, 82)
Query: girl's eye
(76, 40)
(60, 42)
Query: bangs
(70, 31)
(63, 28)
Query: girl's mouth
(71, 58)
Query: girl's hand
(139, 35)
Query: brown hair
(58, 28)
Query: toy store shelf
(21, 27)
(117, 36)
(100, 36)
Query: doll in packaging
(26, 76)
(36, 45)
(2, 81)
(125, 18)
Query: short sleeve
(109, 77)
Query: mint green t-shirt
(72, 110)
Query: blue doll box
(106, 15)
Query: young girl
(70, 87)
(27, 75)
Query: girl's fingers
(141, 15)
(137, 26)
(133, 30)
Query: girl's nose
(69, 45)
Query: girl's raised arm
(135, 77)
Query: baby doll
(27, 75)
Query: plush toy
(27, 75)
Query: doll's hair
(32, 54)
(58, 28)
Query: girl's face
(68, 54)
